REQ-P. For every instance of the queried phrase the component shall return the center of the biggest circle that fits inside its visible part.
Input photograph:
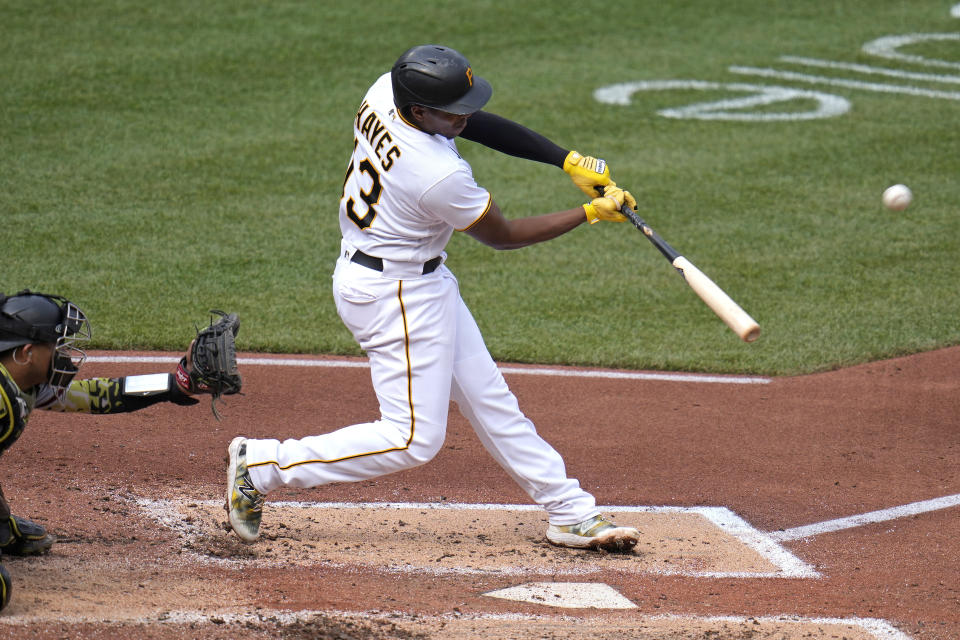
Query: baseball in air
(898, 197)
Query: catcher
(40, 354)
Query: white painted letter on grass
(736, 109)
(888, 47)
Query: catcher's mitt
(210, 365)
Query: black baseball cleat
(22, 537)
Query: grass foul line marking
(591, 373)
(883, 515)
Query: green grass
(160, 160)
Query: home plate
(572, 595)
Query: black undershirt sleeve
(506, 136)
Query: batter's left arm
(506, 136)
(512, 138)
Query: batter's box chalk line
(174, 514)
(879, 629)
(602, 596)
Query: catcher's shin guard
(6, 587)
(22, 537)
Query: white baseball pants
(424, 348)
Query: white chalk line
(759, 541)
(537, 371)
(882, 515)
(787, 565)
(880, 629)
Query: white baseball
(898, 197)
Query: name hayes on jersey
(377, 135)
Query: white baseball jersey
(406, 190)
(405, 193)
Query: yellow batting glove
(587, 173)
(607, 207)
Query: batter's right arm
(494, 230)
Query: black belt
(377, 263)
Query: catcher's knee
(22, 537)
(6, 587)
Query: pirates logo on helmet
(438, 77)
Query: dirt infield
(720, 475)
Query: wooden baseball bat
(716, 298)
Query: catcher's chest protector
(13, 411)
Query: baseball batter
(406, 190)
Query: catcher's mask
(38, 318)
(438, 77)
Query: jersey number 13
(370, 198)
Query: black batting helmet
(28, 317)
(439, 77)
(34, 318)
